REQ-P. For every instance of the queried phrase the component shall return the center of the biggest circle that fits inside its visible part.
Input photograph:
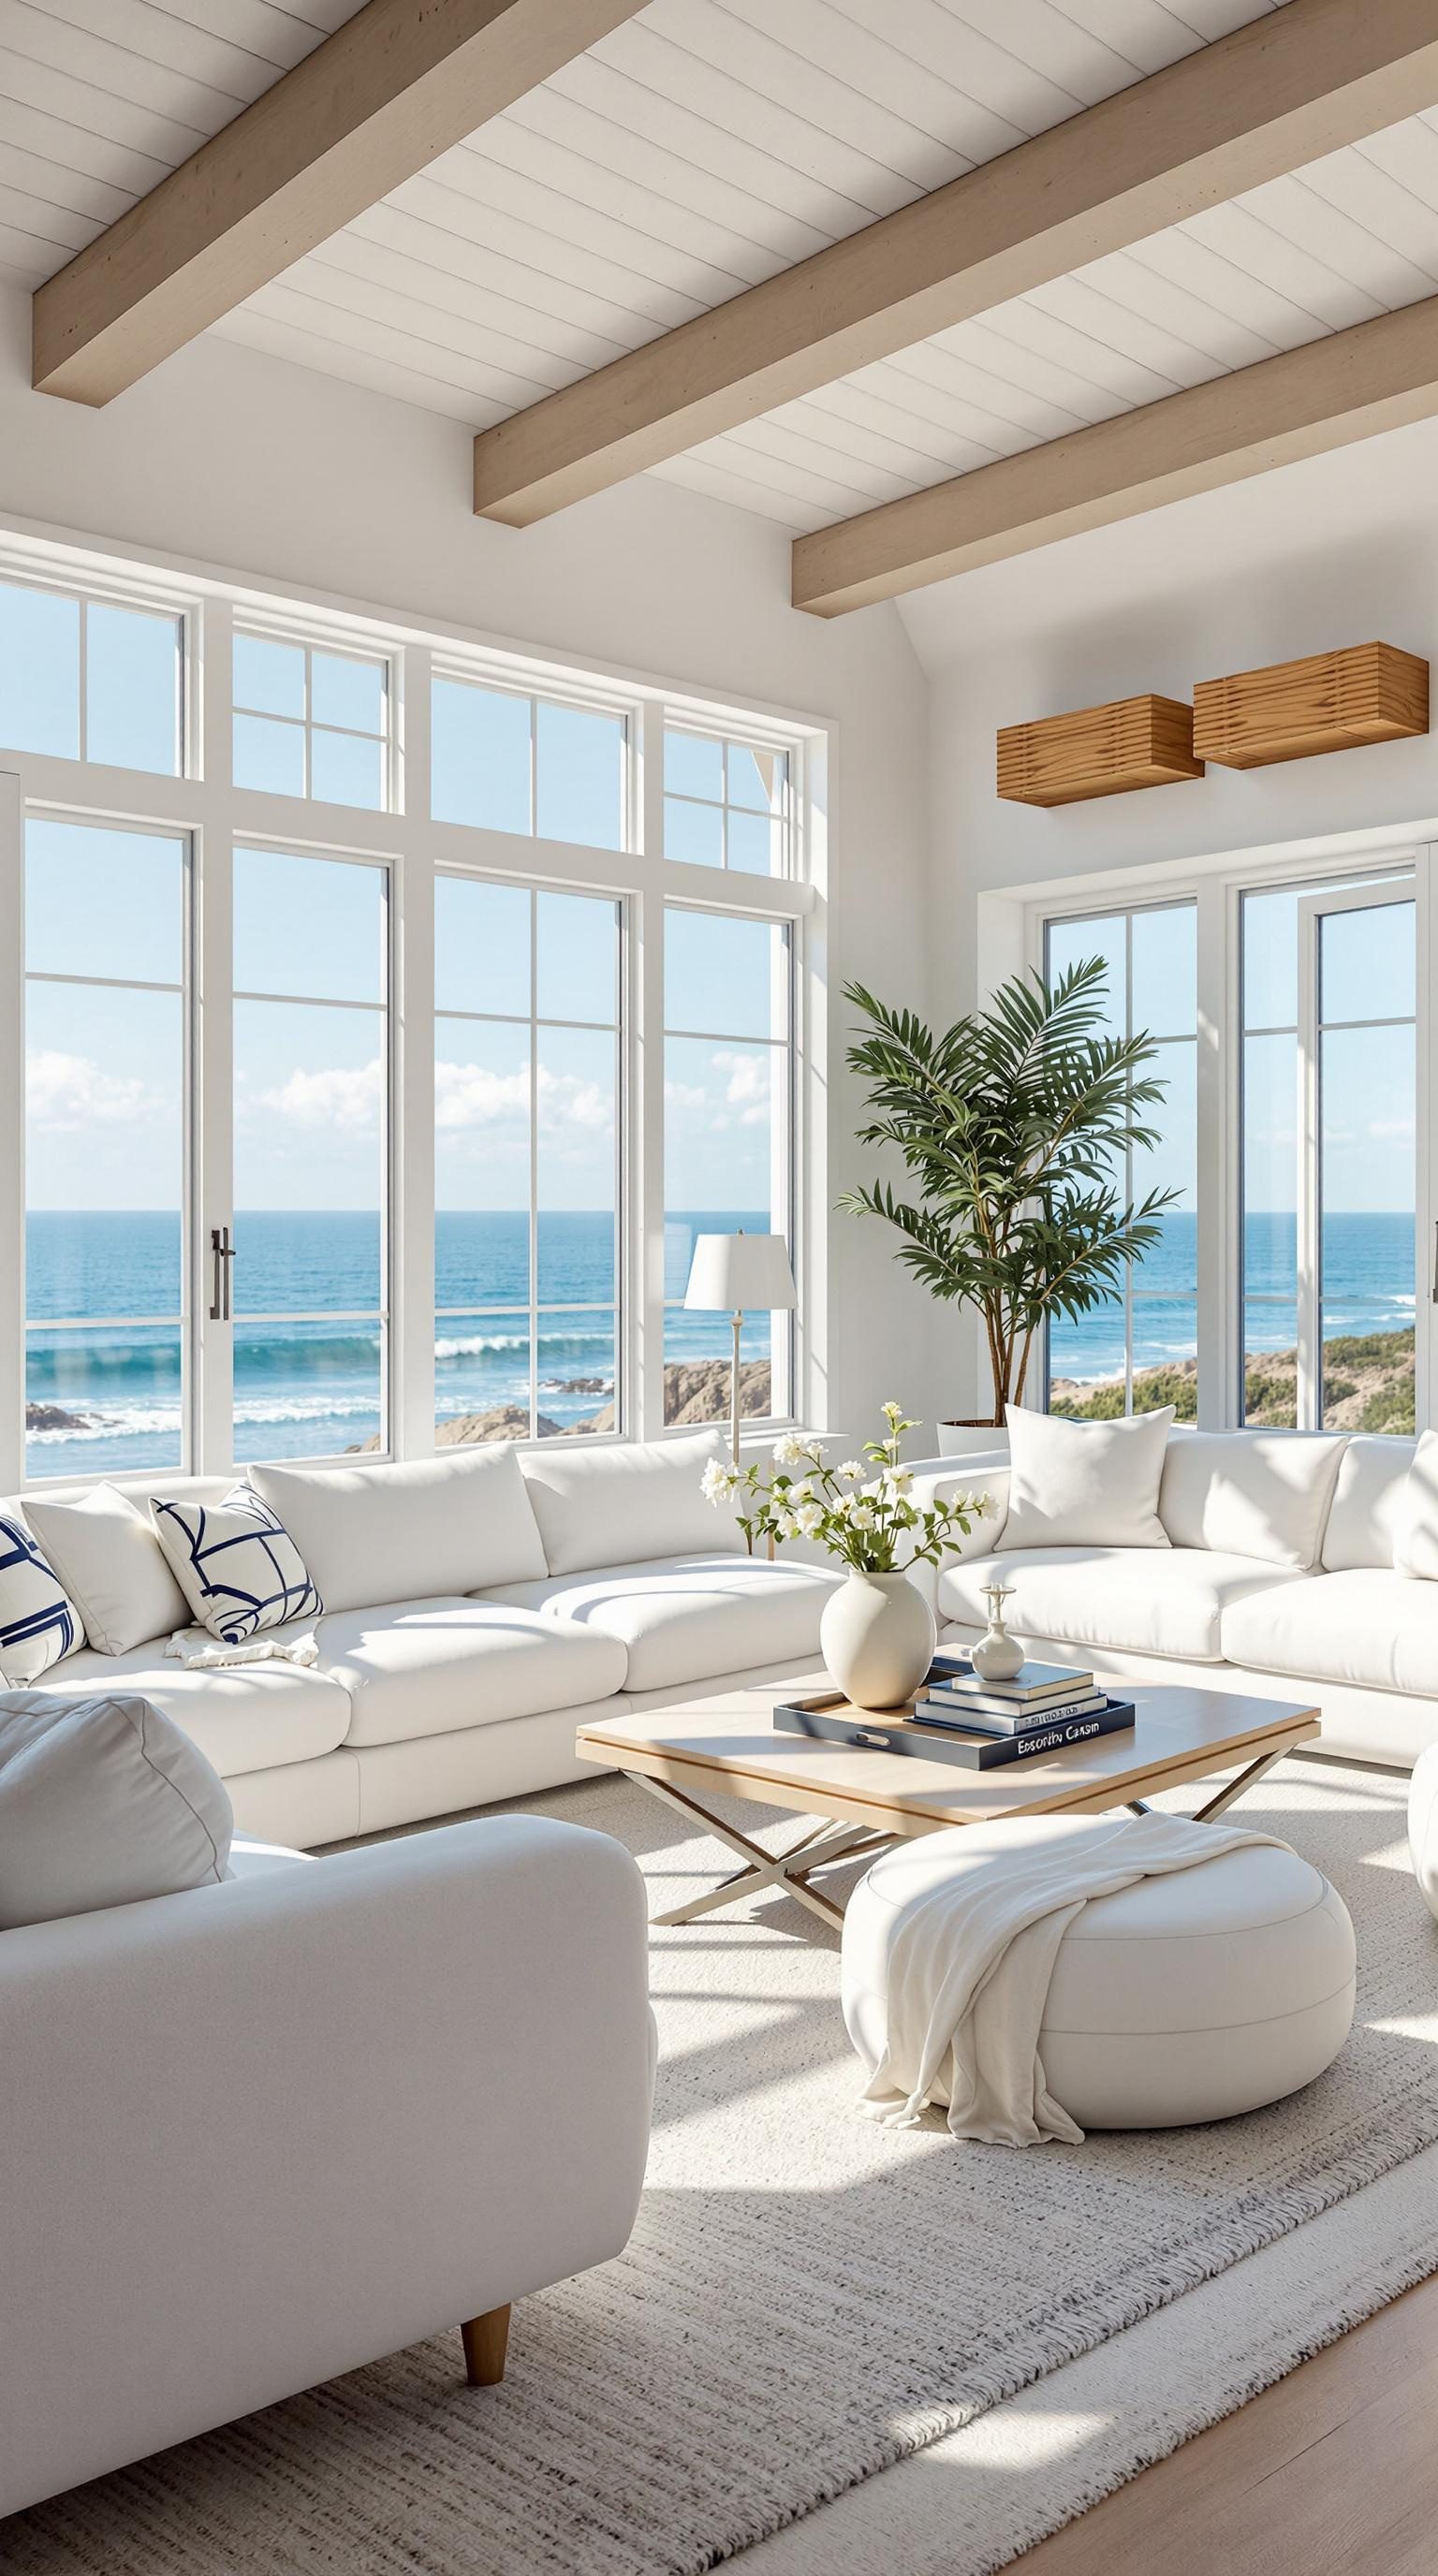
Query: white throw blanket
(969, 1971)
(194, 1647)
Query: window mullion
(644, 1090)
(1219, 1281)
(412, 1160)
(12, 1132)
(210, 1022)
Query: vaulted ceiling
(704, 147)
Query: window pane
(580, 777)
(1073, 943)
(479, 756)
(1165, 971)
(481, 946)
(269, 676)
(102, 1401)
(694, 765)
(1165, 1355)
(1171, 1164)
(694, 834)
(578, 957)
(481, 1255)
(344, 691)
(725, 974)
(755, 844)
(577, 1373)
(39, 671)
(1270, 1369)
(1367, 1179)
(345, 769)
(757, 778)
(698, 1358)
(103, 1107)
(1270, 959)
(312, 927)
(577, 1165)
(1366, 963)
(482, 1158)
(721, 1145)
(132, 688)
(101, 902)
(1270, 1165)
(1368, 1377)
(1086, 1365)
(269, 755)
(309, 1128)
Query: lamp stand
(738, 1322)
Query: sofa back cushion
(409, 1532)
(1264, 1494)
(617, 1506)
(113, 1567)
(1085, 1484)
(1367, 1504)
(103, 1801)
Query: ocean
(107, 1399)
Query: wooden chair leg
(485, 2339)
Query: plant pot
(878, 1637)
(972, 1439)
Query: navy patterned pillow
(236, 1564)
(38, 1621)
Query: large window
(91, 679)
(349, 1112)
(728, 1144)
(106, 1376)
(1328, 1240)
(527, 1162)
(1142, 1350)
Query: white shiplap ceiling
(702, 147)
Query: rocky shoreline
(1368, 1386)
(695, 1392)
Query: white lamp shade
(740, 1272)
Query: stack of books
(1043, 1709)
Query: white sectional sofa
(479, 1606)
(1278, 1579)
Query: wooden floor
(1333, 2472)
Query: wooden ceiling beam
(1349, 385)
(1296, 83)
(401, 82)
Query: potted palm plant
(1012, 1125)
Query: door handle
(222, 1253)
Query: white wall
(232, 460)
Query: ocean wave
(479, 1345)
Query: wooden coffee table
(697, 1749)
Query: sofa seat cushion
(425, 1667)
(1369, 1626)
(244, 1717)
(1143, 1601)
(690, 1618)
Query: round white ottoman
(1423, 1825)
(1192, 1997)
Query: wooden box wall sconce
(1292, 710)
(1098, 751)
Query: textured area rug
(807, 2298)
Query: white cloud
(67, 1093)
(342, 1099)
(747, 1089)
(468, 1095)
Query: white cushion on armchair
(102, 1802)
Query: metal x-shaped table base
(815, 1849)
(1223, 1798)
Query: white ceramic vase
(878, 1637)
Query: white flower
(788, 1526)
(810, 1519)
(802, 1493)
(718, 1481)
(898, 1480)
(893, 1412)
(862, 1515)
(789, 1452)
(851, 1470)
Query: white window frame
(104, 590)
(1012, 933)
(204, 804)
(342, 646)
(746, 739)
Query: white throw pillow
(1415, 1545)
(1085, 1484)
(621, 1505)
(235, 1563)
(113, 1567)
(1251, 1493)
(38, 1621)
(431, 1526)
(103, 1801)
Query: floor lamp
(740, 1272)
